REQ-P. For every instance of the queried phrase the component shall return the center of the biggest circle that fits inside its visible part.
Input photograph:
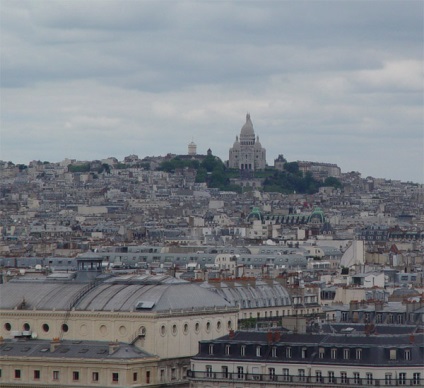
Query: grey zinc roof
(71, 349)
(168, 296)
(38, 295)
(117, 294)
(258, 294)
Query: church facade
(247, 152)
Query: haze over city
(336, 82)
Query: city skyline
(334, 82)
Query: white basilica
(247, 153)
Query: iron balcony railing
(306, 380)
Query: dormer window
(288, 352)
(243, 350)
(346, 354)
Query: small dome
(236, 144)
(258, 143)
(247, 129)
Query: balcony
(305, 381)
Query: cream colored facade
(167, 335)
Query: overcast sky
(329, 81)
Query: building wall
(166, 335)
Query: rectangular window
(343, 377)
(173, 373)
(402, 378)
(416, 379)
(274, 352)
(333, 354)
(258, 351)
(75, 375)
(321, 353)
(285, 374)
(224, 372)
(346, 354)
(331, 378)
(148, 377)
(301, 373)
(227, 350)
(240, 372)
(115, 377)
(318, 376)
(17, 373)
(55, 375)
(95, 376)
(369, 378)
(243, 350)
(210, 349)
(408, 354)
(358, 354)
(356, 378)
(304, 352)
(208, 370)
(162, 375)
(288, 353)
(379, 318)
(388, 379)
(393, 354)
(135, 376)
(271, 372)
(37, 375)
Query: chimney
(269, 337)
(54, 344)
(113, 347)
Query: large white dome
(247, 129)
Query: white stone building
(247, 152)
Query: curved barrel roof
(130, 293)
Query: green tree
(333, 182)
(292, 167)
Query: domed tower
(192, 148)
(247, 154)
